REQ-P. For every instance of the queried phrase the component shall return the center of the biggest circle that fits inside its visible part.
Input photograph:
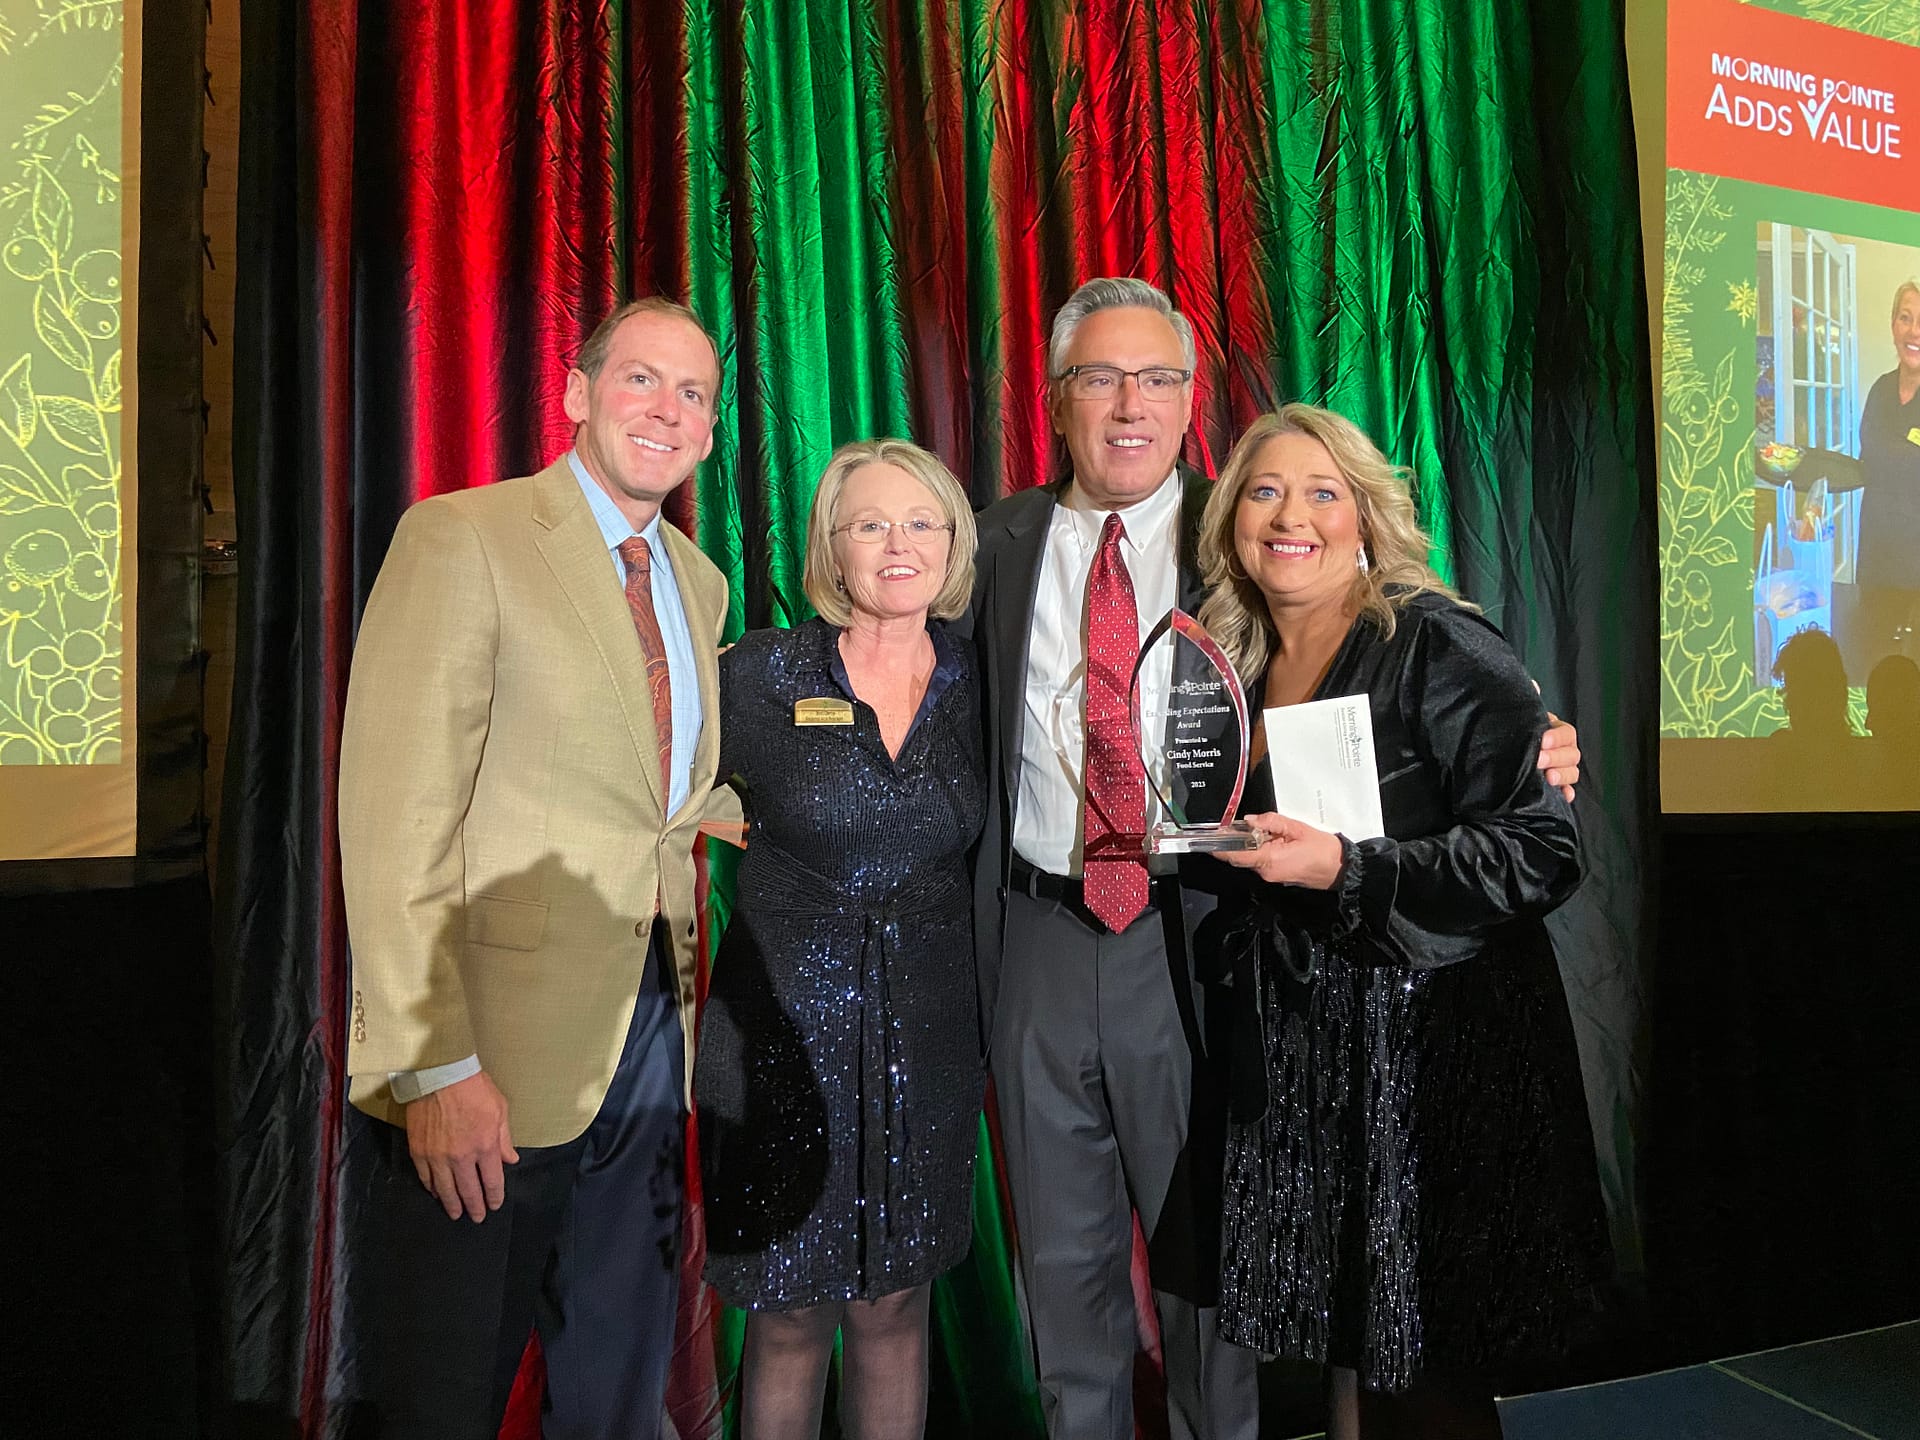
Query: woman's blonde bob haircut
(821, 578)
(1396, 547)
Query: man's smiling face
(645, 422)
(1124, 444)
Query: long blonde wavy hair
(1235, 612)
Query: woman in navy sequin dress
(839, 1076)
(1411, 1191)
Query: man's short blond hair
(593, 353)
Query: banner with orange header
(1788, 332)
(1758, 95)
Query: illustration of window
(1815, 341)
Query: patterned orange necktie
(1114, 876)
(639, 562)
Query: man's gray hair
(1113, 293)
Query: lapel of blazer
(571, 544)
(1194, 489)
(1016, 583)
(703, 625)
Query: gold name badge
(822, 710)
(1913, 436)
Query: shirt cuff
(411, 1085)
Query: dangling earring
(1360, 560)
(840, 583)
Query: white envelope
(1321, 757)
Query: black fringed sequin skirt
(1410, 1176)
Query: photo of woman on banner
(1889, 566)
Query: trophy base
(1170, 839)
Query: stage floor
(1866, 1384)
(1862, 1385)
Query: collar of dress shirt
(1141, 522)
(613, 525)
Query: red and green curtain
(1419, 212)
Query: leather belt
(1045, 885)
(1067, 890)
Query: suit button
(640, 929)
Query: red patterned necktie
(1114, 873)
(639, 562)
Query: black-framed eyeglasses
(1097, 382)
(920, 530)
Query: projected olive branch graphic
(61, 640)
(1705, 493)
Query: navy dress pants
(585, 1249)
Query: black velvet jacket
(1478, 845)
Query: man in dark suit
(1107, 1065)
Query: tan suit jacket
(503, 835)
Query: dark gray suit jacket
(1013, 536)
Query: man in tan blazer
(531, 735)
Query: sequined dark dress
(1411, 1181)
(839, 1076)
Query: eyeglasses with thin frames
(920, 530)
(1101, 382)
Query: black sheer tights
(1437, 1407)
(883, 1369)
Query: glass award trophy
(1194, 743)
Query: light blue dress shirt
(674, 631)
(683, 681)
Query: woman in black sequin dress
(1411, 1187)
(839, 1076)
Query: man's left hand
(1560, 755)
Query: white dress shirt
(1050, 808)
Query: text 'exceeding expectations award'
(1194, 747)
